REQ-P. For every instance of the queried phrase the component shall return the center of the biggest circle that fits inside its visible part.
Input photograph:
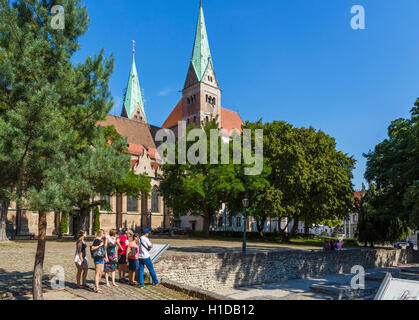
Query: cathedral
(200, 102)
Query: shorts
(99, 260)
(84, 265)
(122, 259)
(134, 264)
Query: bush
(96, 225)
(64, 223)
(350, 243)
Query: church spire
(201, 55)
(133, 104)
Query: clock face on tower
(210, 107)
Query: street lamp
(245, 205)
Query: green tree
(199, 189)
(376, 223)
(64, 223)
(96, 226)
(393, 169)
(265, 200)
(49, 109)
(308, 179)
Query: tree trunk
(82, 221)
(284, 234)
(306, 228)
(207, 219)
(294, 228)
(3, 218)
(39, 257)
(260, 224)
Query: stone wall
(215, 271)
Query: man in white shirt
(145, 259)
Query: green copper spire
(201, 55)
(133, 95)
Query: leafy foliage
(96, 226)
(393, 169)
(199, 189)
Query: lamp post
(245, 205)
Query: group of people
(126, 252)
(333, 245)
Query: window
(230, 221)
(239, 222)
(132, 204)
(107, 199)
(155, 200)
(220, 221)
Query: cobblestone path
(16, 265)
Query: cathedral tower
(201, 95)
(134, 103)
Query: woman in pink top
(132, 257)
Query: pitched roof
(135, 149)
(359, 194)
(230, 120)
(133, 95)
(153, 154)
(201, 55)
(176, 116)
(136, 132)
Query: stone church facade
(200, 102)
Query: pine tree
(48, 110)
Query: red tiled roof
(155, 165)
(136, 132)
(230, 120)
(176, 116)
(135, 149)
(134, 163)
(359, 194)
(153, 154)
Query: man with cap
(145, 259)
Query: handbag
(77, 258)
(99, 253)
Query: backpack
(132, 252)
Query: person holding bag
(111, 257)
(132, 258)
(98, 254)
(80, 260)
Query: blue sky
(293, 60)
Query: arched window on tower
(155, 200)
